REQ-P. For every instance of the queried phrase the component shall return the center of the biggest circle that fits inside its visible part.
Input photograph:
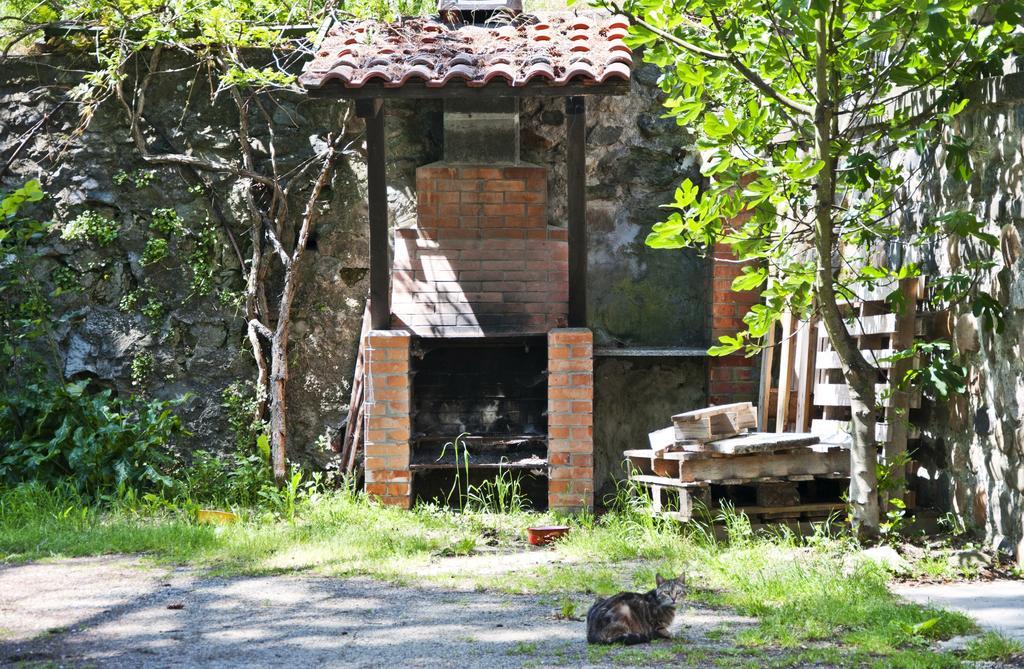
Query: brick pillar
(731, 378)
(571, 419)
(387, 417)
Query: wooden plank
(663, 467)
(662, 440)
(714, 422)
(765, 385)
(806, 360)
(838, 395)
(377, 194)
(799, 508)
(576, 194)
(639, 461)
(835, 462)
(666, 482)
(697, 414)
(827, 429)
(877, 357)
(757, 442)
(785, 373)
(866, 325)
(355, 404)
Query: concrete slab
(995, 605)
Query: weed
(992, 647)
(523, 648)
(502, 494)
(90, 225)
(567, 608)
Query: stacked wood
(713, 423)
(715, 447)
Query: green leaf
(751, 278)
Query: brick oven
(478, 310)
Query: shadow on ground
(118, 612)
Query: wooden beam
(497, 88)
(785, 372)
(764, 391)
(372, 111)
(806, 366)
(576, 184)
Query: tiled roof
(554, 51)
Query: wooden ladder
(352, 440)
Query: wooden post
(807, 343)
(372, 111)
(785, 373)
(765, 387)
(576, 183)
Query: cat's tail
(630, 639)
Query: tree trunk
(279, 341)
(278, 398)
(858, 373)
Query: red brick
(559, 459)
(582, 460)
(570, 393)
(525, 172)
(526, 197)
(481, 173)
(505, 185)
(575, 336)
(557, 487)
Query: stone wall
(637, 296)
(972, 448)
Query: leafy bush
(56, 432)
(237, 479)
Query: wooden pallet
(685, 493)
(811, 393)
(714, 423)
(793, 464)
(773, 464)
(879, 333)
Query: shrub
(52, 432)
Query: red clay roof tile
(557, 50)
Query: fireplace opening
(491, 396)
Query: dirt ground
(124, 612)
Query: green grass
(811, 603)
(992, 647)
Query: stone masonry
(571, 419)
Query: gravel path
(122, 612)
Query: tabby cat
(631, 617)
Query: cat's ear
(658, 580)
